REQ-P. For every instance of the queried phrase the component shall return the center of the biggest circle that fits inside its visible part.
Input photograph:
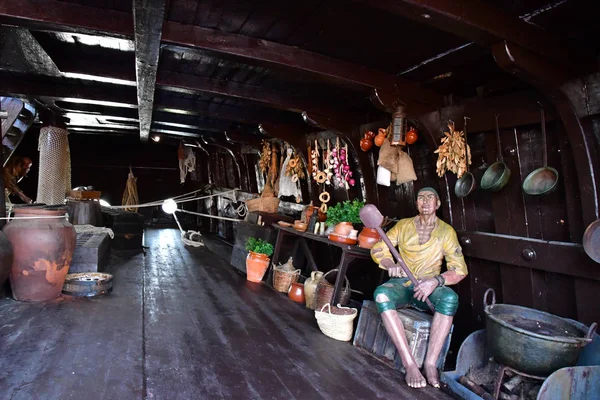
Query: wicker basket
(325, 292)
(336, 322)
(264, 204)
(283, 279)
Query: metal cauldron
(531, 341)
(497, 175)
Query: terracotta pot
(6, 258)
(369, 135)
(368, 237)
(343, 228)
(380, 138)
(310, 289)
(256, 266)
(366, 144)
(411, 136)
(43, 250)
(296, 292)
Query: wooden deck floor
(182, 324)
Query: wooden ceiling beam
(56, 15)
(71, 60)
(148, 16)
(486, 24)
(71, 90)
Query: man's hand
(425, 288)
(24, 197)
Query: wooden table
(349, 253)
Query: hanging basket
(265, 204)
(325, 291)
(336, 322)
(283, 279)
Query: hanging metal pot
(496, 176)
(466, 183)
(542, 180)
(591, 240)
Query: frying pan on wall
(591, 240)
(543, 180)
(466, 183)
(496, 176)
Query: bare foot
(414, 379)
(432, 374)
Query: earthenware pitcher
(310, 289)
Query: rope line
(39, 217)
(178, 199)
(186, 236)
(209, 216)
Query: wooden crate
(372, 336)
(84, 195)
(91, 252)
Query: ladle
(466, 183)
(542, 180)
(496, 176)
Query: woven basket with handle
(264, 204)
(325, 291)
(336, 322)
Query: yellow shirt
(423, 260)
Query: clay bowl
(334, 237)
(300, 226)
(284, 224)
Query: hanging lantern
(399, 127)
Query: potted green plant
(343, 215)
(258, 259)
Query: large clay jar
(296, 292)
(43, 250)
(310, 289)
(6, 258)
(343, 228)
(256, 266)
(368, 237)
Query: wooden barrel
(84, 212)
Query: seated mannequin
(423, 241)
(16, 169)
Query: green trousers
(400, 292)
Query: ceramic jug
(296, 292)
(310, 289)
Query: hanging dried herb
(265, 157)
(451, 153)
